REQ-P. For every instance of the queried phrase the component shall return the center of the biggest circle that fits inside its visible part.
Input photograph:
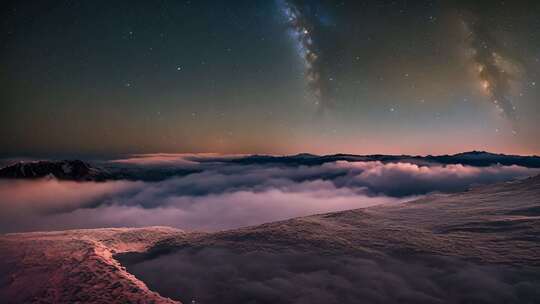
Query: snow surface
(75, 266)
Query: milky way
(495, 70)
(301, 30)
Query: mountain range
(78, 170)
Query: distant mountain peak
(475, 152)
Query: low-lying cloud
(170, 159)
(403, 179)
(115, 204)
(228, 195)
(222, 275)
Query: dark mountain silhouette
(78, 170)
(64, 170)
(472, 158)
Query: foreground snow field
(479, 246)
(75, 266)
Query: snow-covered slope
(75, 266)
(496, 223)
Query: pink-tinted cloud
(169, 159)
(402, 179)
(119, 205)
(157, 159)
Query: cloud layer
(291, 276)
(228, 195)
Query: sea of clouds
(224, 194)
(222, 275)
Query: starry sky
(269, 76)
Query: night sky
(265, 76)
